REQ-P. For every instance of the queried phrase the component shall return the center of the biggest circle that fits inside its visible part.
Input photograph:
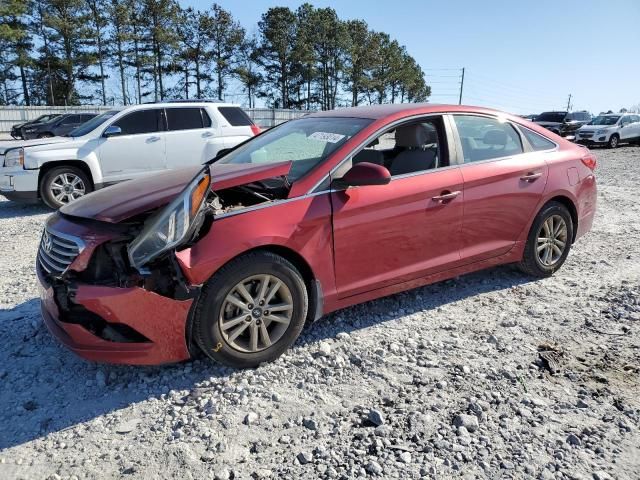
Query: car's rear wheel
(549, 241)
(614, 141)
(62, 185)
(251, 310)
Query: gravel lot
(445, 381)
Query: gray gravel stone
(469, 422)
(376, 417)
(305, 457)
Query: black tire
(531, 264)
(206, 328)
(45, 135)
(614, 141)
(46, 192)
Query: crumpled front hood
(127, 199)
(4, 146)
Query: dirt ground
(447, 381)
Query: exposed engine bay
(110, 265)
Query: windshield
(306, 141)
(90, 125)
(44, 118)
(605, 120)
(551, 117)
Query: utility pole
(461, 87)
(569, 103)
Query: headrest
(415, 135)
(495, 137)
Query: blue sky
(523, 57)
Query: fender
(301, 225)
(37, 157)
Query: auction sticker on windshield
(326, 137)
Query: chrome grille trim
(57, 251)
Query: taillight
(255, 129)
(589, 161)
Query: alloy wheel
(256, 313)
(67, 187)
(552, 240)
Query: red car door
(388, 234)
(502, 185)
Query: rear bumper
(587, 200)
(161, 320)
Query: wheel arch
(312, 284)
(314, 288)
(46, 167)
(573, 211)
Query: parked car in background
(16, 130)
(563, 123)
(120, 145)
(56, 127)
(326, 211)
(610, 130)
(530, 117)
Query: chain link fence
(9, 115)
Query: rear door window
(486, 138)
(142, 121)
(537, 141)
(184, 118)
(70, 120)
(235, 116)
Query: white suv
(120, 145)
(611, 130)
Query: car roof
(381, 111)
(184, 103)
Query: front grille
(56, 252)
(586, 134)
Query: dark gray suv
(563, 123)
(57, 127)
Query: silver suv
(610, 130)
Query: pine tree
(227, 37)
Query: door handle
(531, 176)
(153, 139)
(207, 134)
(445, 197)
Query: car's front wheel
(62, 185)
(251, 311)
(614, 141)
(549, 241)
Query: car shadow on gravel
(47, 389)
(10, 209)
(423, 299)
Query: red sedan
(320, 213)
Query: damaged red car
(333, 209)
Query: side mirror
(112, 131)
(365, 173)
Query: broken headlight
(172, 225)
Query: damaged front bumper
(127, 324)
